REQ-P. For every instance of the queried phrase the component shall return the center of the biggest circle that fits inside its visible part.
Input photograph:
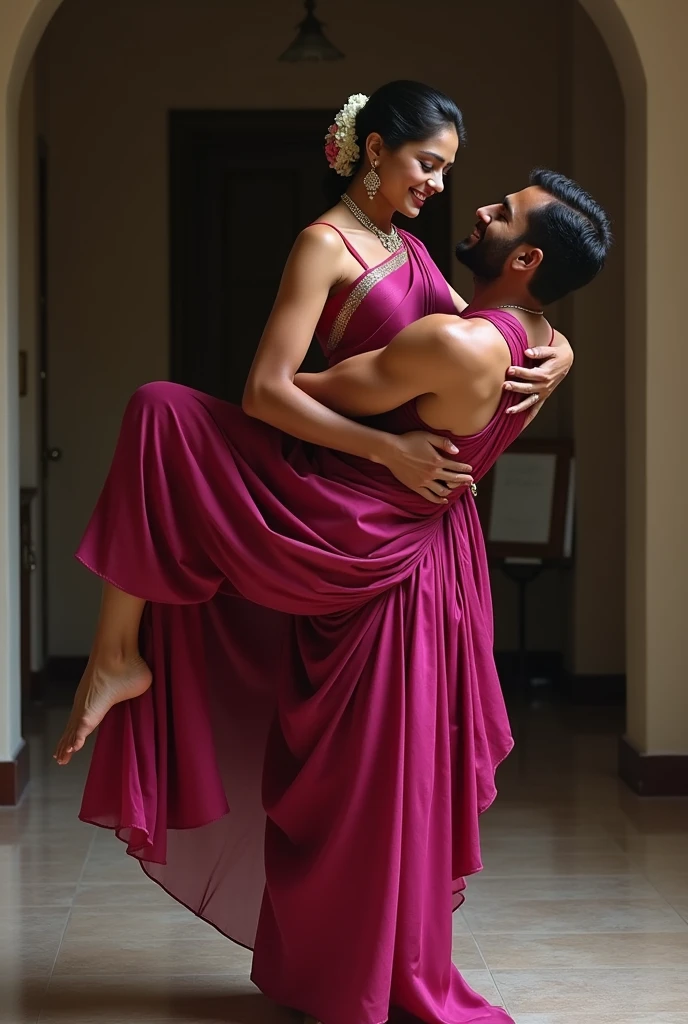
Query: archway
(26, 24)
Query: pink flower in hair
(341, 145)
(331, 152)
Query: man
(438, 703)
(526, 252)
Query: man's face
(499, 231)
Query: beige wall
(17, 40)
(29, 470)
(648, 44)
(597, 159)
(657, 493)
(108, 243)
(582, 612)
(30, 127)
(10, 706)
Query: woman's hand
(416, 461)
(538, 384)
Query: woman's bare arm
(314, 267)
(459, 303)
(316, 264)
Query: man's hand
(532, 414)
(539, 383)
(416, 460)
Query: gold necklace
(391, 241)
(524, 309)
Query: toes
(65, 749)
(80, 734)
(64, 755)
(71, 743)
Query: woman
(372, 641)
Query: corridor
(581, 915)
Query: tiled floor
(581, 916)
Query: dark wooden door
(242, 186)
(49, 454)
(28, 566)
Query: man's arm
(555, 362)
(437, 355)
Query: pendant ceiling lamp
(311, 42)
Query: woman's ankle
(113, 658)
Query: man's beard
(486, 258)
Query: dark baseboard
(58, 680)
(14, 778)
(653, 774)
(544, 670)
(540, 668)
(36, 685)
(607, 690)
(65, 669)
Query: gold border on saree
(359, 292)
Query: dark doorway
(242, 186)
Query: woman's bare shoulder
(318, 250)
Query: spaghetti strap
(344, 239)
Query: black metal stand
(522, 572)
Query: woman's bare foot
(102, 685)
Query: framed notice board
(526, 502)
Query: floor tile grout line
(481, 954)
(162, 975)
(664, 898)
(501, 994)
(586, 967)
(64, 930)
(680, 971)
(548, 934)
(488, 876)
(661, 895)
(43, 995)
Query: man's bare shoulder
(470, 345)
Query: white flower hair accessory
(341, 142)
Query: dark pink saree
(325, 711)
